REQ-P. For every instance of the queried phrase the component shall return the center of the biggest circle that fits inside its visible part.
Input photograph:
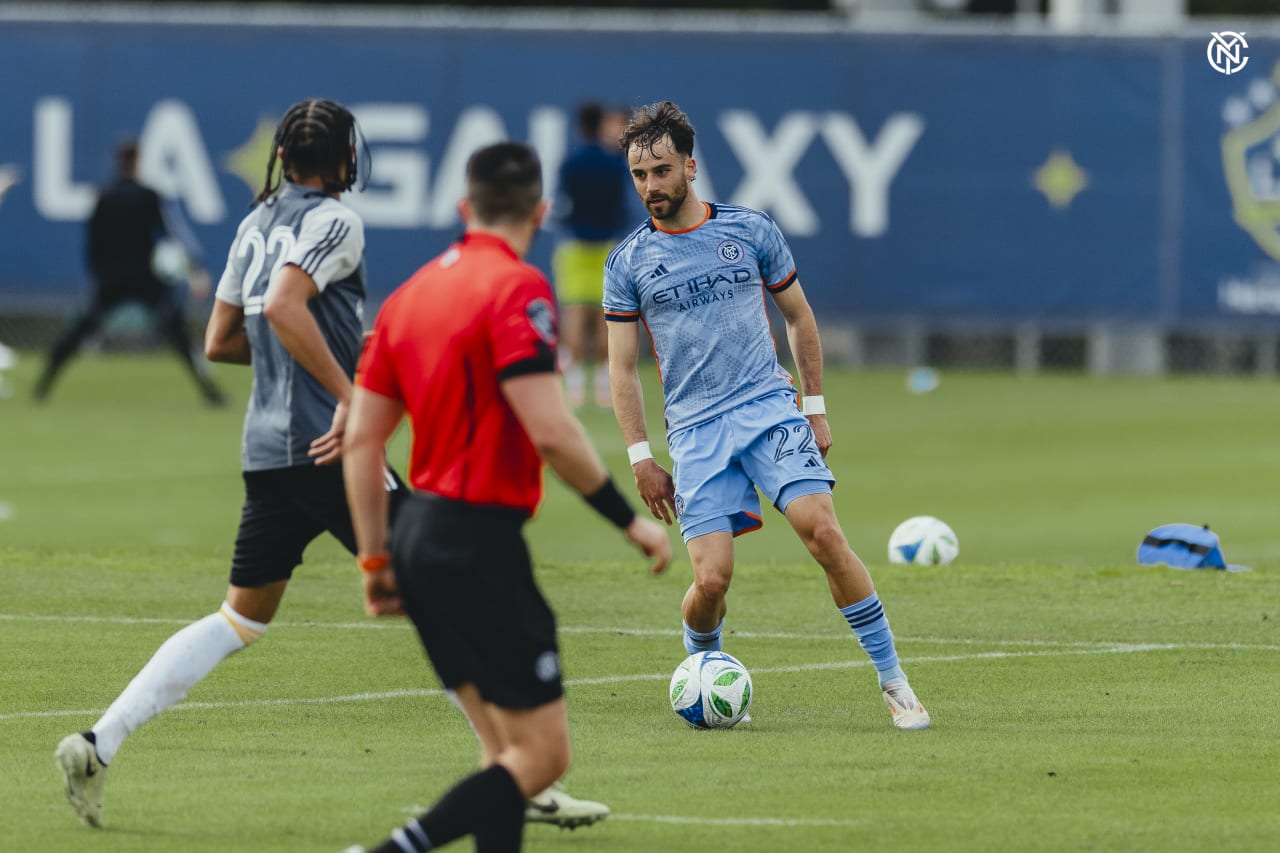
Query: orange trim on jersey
(764, 306)
(705, 207)
(622, 316)
(653, 345)
(790, 279)
(759, 523)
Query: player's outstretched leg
(181, 662)
(556, 806)
(487, 805)
(85, 776)
(67, 345)
(813, 517)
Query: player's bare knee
(535, 769)
(712, 586)
(826, 541)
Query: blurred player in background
(8, 358)
(694, 273)
(290, 304)
(595, 184)
(467, 349)
(128, 222)
(8, 361)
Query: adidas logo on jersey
(659, 270)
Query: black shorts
(284, 510)
(467, 583)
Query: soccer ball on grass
(710, 690)
(923, 540)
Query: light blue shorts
(719, 464)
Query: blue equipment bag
(1184, 546)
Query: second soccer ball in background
(923, 540)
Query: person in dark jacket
(128, 223)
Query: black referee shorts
(467, 583)
(284, 510)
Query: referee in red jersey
(467, 349)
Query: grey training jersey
(325, 239)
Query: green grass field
(1080, 702)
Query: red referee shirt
(442, 343)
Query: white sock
(179, 664)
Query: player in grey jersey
(290, 305)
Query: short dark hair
(317, 137)
(590, 115)
(649, 124)
(504, 183)
(127, 156)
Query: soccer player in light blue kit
(695, 274)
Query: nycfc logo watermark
(729, 251)
(1226, 52)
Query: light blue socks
(702, 641)
(869, 623)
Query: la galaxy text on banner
(927, 176)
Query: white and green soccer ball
(710, 690)
(923, 540)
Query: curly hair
(649, 124)
(316, 138)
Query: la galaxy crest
(1251, 160)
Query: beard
(673, 203)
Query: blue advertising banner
(940, 177)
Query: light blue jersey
(700, 294)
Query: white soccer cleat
(906, 709)
(85, 776)
(555, 806)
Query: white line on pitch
(732, 821)
(835, 634)
(1115, 649)
(703, 821)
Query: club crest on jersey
(543, 320)
(729, 251)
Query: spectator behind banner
(128, 223)
(596, 187)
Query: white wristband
(639, 452)
(814, 405)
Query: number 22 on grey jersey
(324, 238)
